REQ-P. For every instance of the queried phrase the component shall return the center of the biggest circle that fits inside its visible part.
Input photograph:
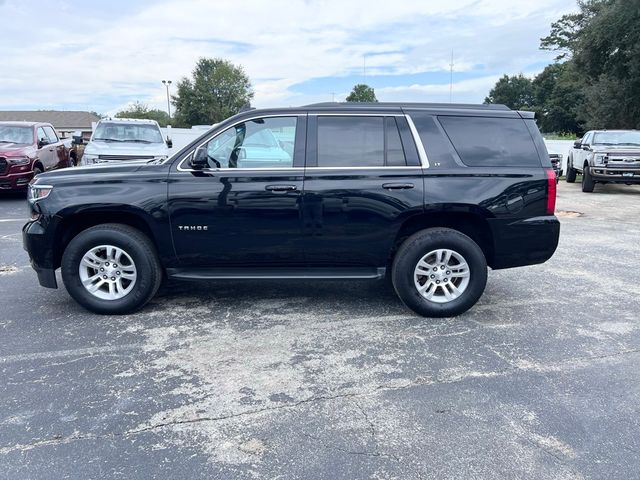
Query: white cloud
(104, 60)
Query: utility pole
(451, 79)
(333, 96)
(166, 83)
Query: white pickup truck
(605, 156)
(123, 139)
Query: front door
(244, 210)
(46, 151)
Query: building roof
(60, 119)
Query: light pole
(166, 83)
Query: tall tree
(603, 44)
(141, 110)
(217, 90)
(362, 93)
(558, 97)
(515, 92)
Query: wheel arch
(474, 225)
(71, 225)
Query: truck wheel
(571, 173)
(111, 269)
(439, 272)
(587, 180)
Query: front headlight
(18, 160)
(88, 159)
(38, 192)
(599, 158)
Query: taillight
(551, 191)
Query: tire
(406, 272)
(37, 171)
(587, 180)
(140, 269)
(571, 173)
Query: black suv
(430, 194)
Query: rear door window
(491, 142)
(350, 141)
(359, 141)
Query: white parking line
(13, 220)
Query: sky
(103, 56)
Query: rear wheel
(588, 183)
(111, 269)
(439, 272)
(571, 172)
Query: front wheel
(571, 173)
(439, 272)
(111, 269)
(588, 183)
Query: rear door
(363, 178)
(244, 210)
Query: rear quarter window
(491, 142)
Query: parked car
(123, 139)
(605, 156)
(27, 149)
(556, 164)
(428, 194)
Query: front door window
(257, 143)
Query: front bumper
(15, 181)
(39, 247)
(615, 174)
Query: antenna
(364, 68)
(451, 79)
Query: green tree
(217, 90)
(602, 42)
(515, 92)
(558, 97)
(140, 110)
(362, 93)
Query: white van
(125, 139)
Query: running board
(275, 273)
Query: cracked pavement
(291, 379)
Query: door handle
(51, 149)
(397, 186)
(280, 188)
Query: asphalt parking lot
(335, 380)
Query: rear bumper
(616, 174)
(15, 181)
(524, 242)
(37, 244)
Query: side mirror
(77, 140)
(200, 158)
(43, 142)
(577, 144)
(585, 147)
(169, 143)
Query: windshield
(128, 132)
(631, 137)
(16, 134)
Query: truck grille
(110, 158)
(3, 165)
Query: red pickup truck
(26, 149)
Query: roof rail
(492, 106)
